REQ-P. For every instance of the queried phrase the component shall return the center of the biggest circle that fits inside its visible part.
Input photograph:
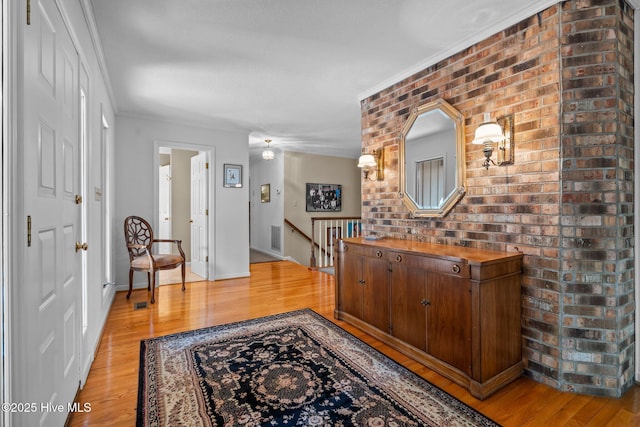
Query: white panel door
(164, 210)
(48, 310)
(199, 212)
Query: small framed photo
(232, 176)
(265, 193)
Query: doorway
(183, 203)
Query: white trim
(90, 19)
(12, 204)
(514, 18)
(210, 150)
(233, 276)
(636, 180)
(7, 179)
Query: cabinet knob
(455, 268)
(425, 302)
(398, 258)
(379, 254)
(361, 281)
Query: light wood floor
(276, 287)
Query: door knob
(81, 246)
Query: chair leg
(183, 277)
(148, 281)
(130, 283)
(152, 276)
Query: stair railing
(325, 232)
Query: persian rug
(291, 369)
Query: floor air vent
(139, 305)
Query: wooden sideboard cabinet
(454, 309)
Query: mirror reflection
(432, 159)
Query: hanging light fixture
(268, 154)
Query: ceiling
(292, 71)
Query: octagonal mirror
(432, 159)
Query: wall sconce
(499, 132)
(372, 162)
(268, 154)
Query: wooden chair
(138, 236)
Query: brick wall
(566, 75)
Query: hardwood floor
(276, 287)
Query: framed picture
(324, 197)
(354, 229)
(232, 176)
(265, 193)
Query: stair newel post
(312, 260)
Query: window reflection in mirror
(430, 182)
(432, 159)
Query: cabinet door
(449, 320)
(408, 305)
(351, 286)
(375, 309)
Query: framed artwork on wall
(232, 176)
(265, 193)
(324, 197)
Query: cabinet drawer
(364, 250)
(456, 268)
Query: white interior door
(164, 209)
(48, 311)
(199, 213)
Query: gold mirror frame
(460, 179)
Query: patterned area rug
(291, 369)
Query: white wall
(264, 215)
(134, 159)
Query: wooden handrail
(296, 229)
(318, 218)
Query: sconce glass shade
(488, 132)
(367, 161)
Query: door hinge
(29, 231)
(207, 212)
(28, 12)
(78, 199)
(206, 165)
(206, 259)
